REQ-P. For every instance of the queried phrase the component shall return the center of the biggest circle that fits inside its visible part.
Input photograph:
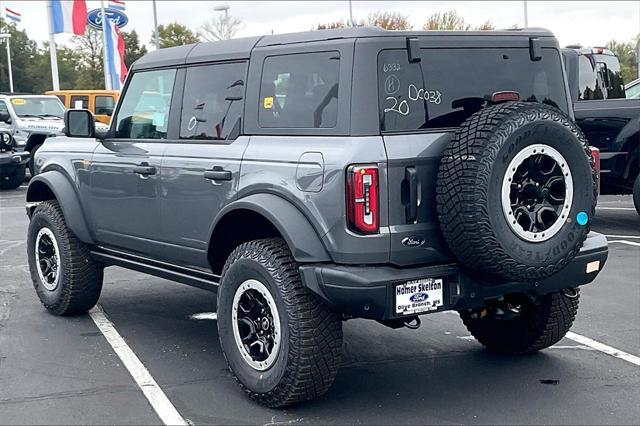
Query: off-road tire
(311, 338)
(469, 189)
(32, 159)
(14, 179)
(636, 194)
(80, 275)
(545, 326)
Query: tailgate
(413, 162)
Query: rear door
(125, 170)
(422, 103)
(201, 168)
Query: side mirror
(5, 117)
(79, 123)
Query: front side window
(448, 85)
(105, 105)
(300, 90)
(80, 102)
(213, 101)
(144, 110)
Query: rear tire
(304, 338)
(636, 194)
(541, 323)
(13, 180)
(66, 278)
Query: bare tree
(450, 20)
(223, 27)
(387, 20)
(332, 25)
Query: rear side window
(300, 90)
(79, 101)
(608, 67)
(588, 79)
(447, 86)
(144, 110)
(105, 105)
(213, 101)
(63, 98)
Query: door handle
(144, 169)
(218, 174)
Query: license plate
(418, 296)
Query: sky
(589, 23)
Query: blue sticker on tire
(582, 218)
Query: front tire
(67, 280)
(281, 342)
(520, 325)
(14, 179)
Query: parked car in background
(13, 163)
(31, 119)
(609, 119)
(632, 90)
(100, 102)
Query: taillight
(595, 153)
(363, 210)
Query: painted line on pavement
(623, 236)
(601, 347)
(629, 243)
(147, 384)
(204, 316)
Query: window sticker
(267, 103)
(18, 101)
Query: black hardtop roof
(240, 48)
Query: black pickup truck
(610, 122)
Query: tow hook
(412, 322)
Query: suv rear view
(316, 177)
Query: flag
(115, 55)
(117, 5)
(12, 14)
(69, 16)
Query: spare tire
(516, 191)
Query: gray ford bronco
(315, 177)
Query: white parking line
(623, 236)
(601, 347)
(204, 316)
(629, 243)
(147, 384)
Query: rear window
(447, 86)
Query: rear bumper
(368, 291)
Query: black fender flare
(57, 183)
(35, 136)
(302, 238)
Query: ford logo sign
(94, 17)
(412, 241)
(419, 297)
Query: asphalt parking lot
(63, 370)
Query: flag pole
(105, 65)
(52, 50)
(156, 39)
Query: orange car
(100, 102)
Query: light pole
(224, 8)
(7, 36)
(155, 26)
(526, 14)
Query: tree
(132, 48)
(387, 20)
(175, 34)
(24, 53)
(450, 20)
(223, 27)
(88, 48)
(332, 25)
(626, 53)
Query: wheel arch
(34, 140)
(54, 185)
(268, 216)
